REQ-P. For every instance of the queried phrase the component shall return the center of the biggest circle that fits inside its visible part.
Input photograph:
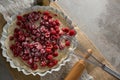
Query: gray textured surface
(100, 21)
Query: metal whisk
(93, 60)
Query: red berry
(43, 64)
(67, 43)
(50, 64)
(18, 23)
(50, 57)
(16, 30)
(57, 22)
(72, 32)
(47, 34)
(45, 13)
(66, 29)
(61, 46)
(55, 54)
(56, 47)
(55, 61)
(48, 50)
(42, 51)
(30, 61)
(53, 32)
(11, 38)
(19, 17)
(34, 66)
(36, 59)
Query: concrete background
(100, 21)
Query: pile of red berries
(37, 39)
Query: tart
(39, 40)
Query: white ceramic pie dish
(14, 64)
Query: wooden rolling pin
(78, 68)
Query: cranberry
(30, 61)
(36, 59)
(42, 23)
(66, 29)
(12, 46)
(67, 43)
(55, 54)
(43, 63)
(37, 54)
(57, 22)
(18, 23)
(57, 30)
(38, 35)
(21, 38)
(54, 42)
(50, 64)
(72, 32)
(61, 46)
(55, 61)
(47, 34)
(34, 32)
(49, 16)
(11, 38)
(50, 57)
(34, 66)
(46, 24)
(50, 46)
(15, 54)
(56, 47)
(61, 33)
(16, 30)
(46, 13)
(19, 17)
(39, 47)
(48, 50)
(21, 32)
(24, 57)
(53, 32)
(42, 29)
(45, 18)
(26, 51)
(42, 51)
(33, 38)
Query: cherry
(72, 32)
(30, 61)
(55, 61)
(67, 43)
(50, 57)
(55, 54)
(36, 59)
(48, 50)
(56, 47)
(18, 23)
(46, 13)
(34, 66)
(50, 64)
(19, 17)
(66, 29)
(43, 63)
(11, 38)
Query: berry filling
(36, 39)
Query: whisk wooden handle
(78, 68)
